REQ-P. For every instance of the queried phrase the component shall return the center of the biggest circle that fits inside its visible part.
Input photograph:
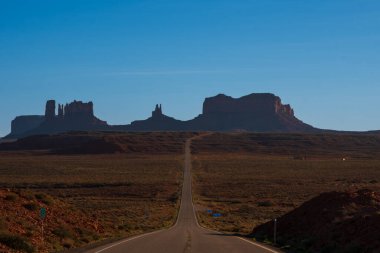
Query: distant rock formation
(157, 113)
(50, 110)
(257, 104)
(23, 124)
(157, 122)
(76, 109)
(75, 116)
(257, 112)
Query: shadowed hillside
(102, 143)
(330, 222)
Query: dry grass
(135, 189)
(127, 194)
(292, 145)
(249, 189)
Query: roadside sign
(42, 216)
(43, 213)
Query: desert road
(186, 235)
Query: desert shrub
(245, 209)
(307, 243)
(3, 225)
(173, 198)
(29, 233)
(31, 206)
(86, 234)
(28, 195)
(57, 247)
(44, 198)
(328, 248)
(281, 241)
(260, 236)
(68, 243)
(95, 237)
(62, 233)
(353, 248)
(265, 203)
(16, 242)
(235, 229)
(85, 239)
(11, 197)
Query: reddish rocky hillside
(20, 224)
(331, 222)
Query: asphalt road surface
(186, 235)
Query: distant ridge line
(256, 112)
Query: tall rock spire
(157, 111)
(50, 109)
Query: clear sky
(321, 56)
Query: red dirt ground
(63, 225)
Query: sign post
(42, 217)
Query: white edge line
(126, 240)
(258, 245)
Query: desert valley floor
(131, 184)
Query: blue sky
(321, 56)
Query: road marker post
(275, 232)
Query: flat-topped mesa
(22, 124)
(256, 103)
